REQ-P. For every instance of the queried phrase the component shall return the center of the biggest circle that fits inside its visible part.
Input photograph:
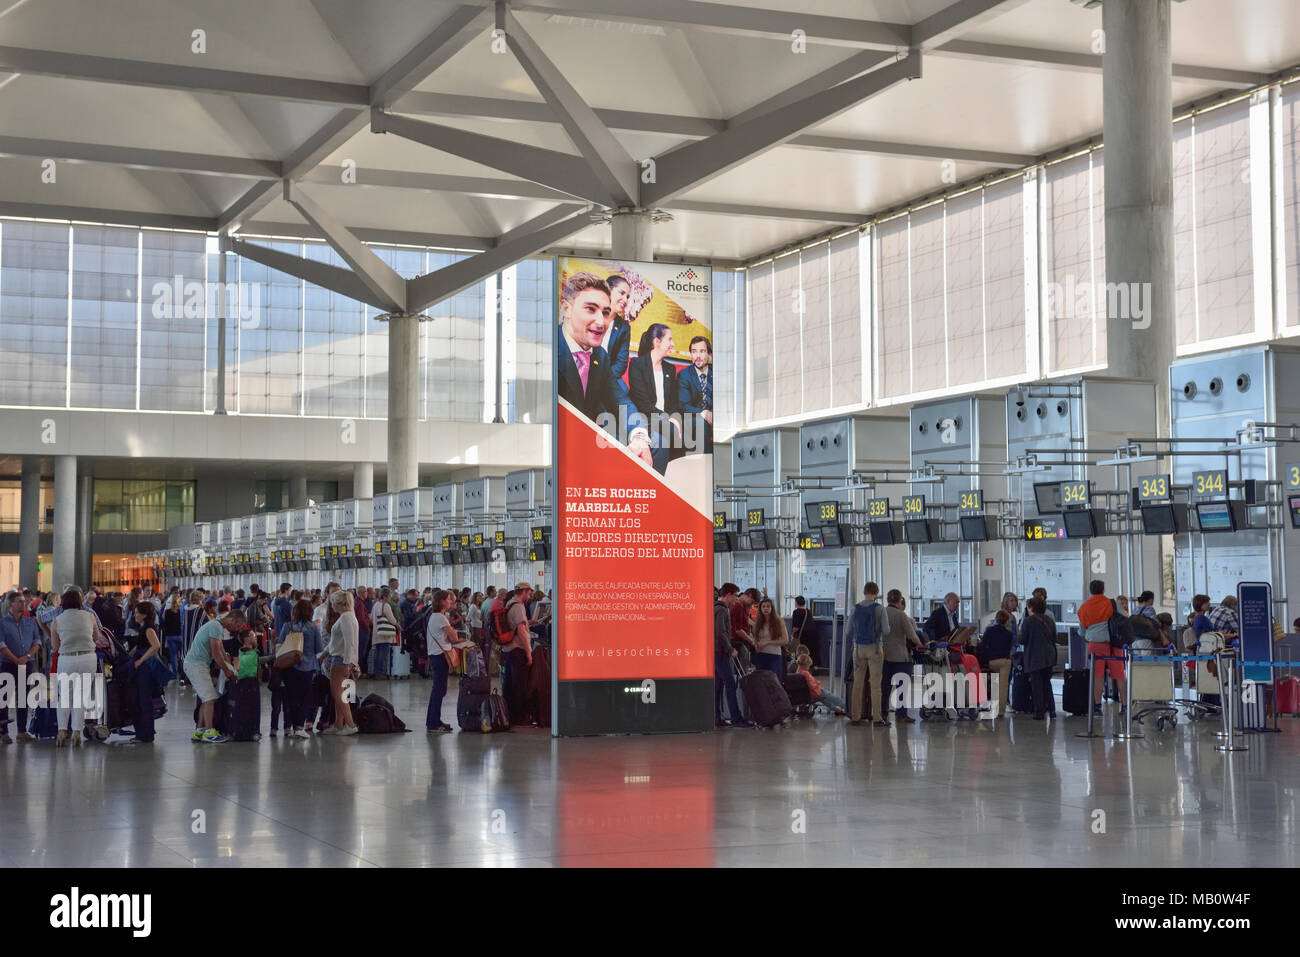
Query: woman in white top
(72, 638)
(342, 655)
(440, 636)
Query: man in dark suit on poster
(695, 388)
(586, 375)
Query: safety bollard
(1128, 733)
(1226, 694)
(1092, 681)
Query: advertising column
(633, 529)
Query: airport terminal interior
(311, 311)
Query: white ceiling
(654, 67)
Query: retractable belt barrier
(1227, 667)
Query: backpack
(1119, 629)
(376, 715)
(501, 625)
(489, 629)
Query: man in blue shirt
(20, 637)
(282, 607)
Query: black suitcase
(119, 706)
(243, 710)
(797, 690)
(1022, 699)
(1074, 692)
(765, 699)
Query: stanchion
(1226, 693)
(1092, 681)
(1128, 732)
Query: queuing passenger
(206, 651)
(342, 658)
(724, 653)
(282, 607)
(770, 637)
(298, 678)
(1146, 603)
(995, 648)
(1047, 616)
(518, 651)
(1094, 617)
(21, 641)
(799, 619)
(899, 639)
(365, 635)
(440, 636)
(1040, 656)
(1122, 602)
(171, 631)
(867, 628)
(407, 606)
(384, 632)
(72, 638)
(815, 691)
(741, 628)
(1223, 617)
(1200, 615)
(943, 621)
(143, 648)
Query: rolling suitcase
(243, 710)
(399, 663)
(1288, 695)
(797, 690)
(1022, 699)
(765, 699)
(1074, 692)
(472, 713)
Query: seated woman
(652, 387)
(962, 662)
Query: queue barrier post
(1128, 732)
(1226, 695)
(1092, 682)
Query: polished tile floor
(817, 793)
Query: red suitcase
(1288, 695)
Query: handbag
(289, 652)
(453, 658)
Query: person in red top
(741, 627)
(1094, 618)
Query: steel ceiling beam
(334, 278)
(690, 166)
(134, 158)
(1087, 62)
(444, 42)
(369, 234)
(847, 69)
(957, 18)
(433, 287)
(733, 19)
(381, 279)
(560, 171)
(108, 217)
(191, 79)
(846, 144)
(610, 164)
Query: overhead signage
(1210, 484)
(914, 505)
(1153, 488)
(971, 501)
